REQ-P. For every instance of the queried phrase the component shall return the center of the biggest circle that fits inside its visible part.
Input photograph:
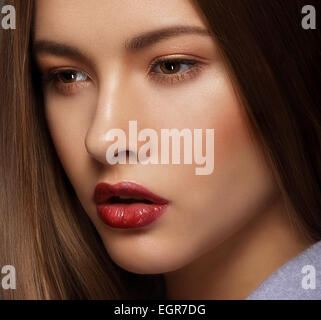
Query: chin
(144, 260)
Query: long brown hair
(44, 231)
(276, 64)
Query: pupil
(170, 66)
(69, 75)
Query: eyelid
(65, 88)
(195, 62)
(180, 61)
(176, 57)
(51, 74)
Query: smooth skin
(223, 233)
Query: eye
(172, 66)
(67, 81)
(70, 76)
(170, 71)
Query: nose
(116, 106)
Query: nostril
(116, 153)
(128, 154)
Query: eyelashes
(162, 71)
(67, 81)
(170, 71)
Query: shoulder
(298, 279)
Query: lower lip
(132, 215)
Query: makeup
(127, 205)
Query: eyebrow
(138, 42)
(57, 49)
(149, 38)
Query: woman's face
(117, 51)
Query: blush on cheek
(227, 116)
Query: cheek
(241, 184)
(68, 120)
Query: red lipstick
(127, 205)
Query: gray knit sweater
(298, 279)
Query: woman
(77, 226)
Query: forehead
(111, 22)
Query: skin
(223, 233)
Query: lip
(127, 215)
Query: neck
(237, 266)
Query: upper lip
(104, 191)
